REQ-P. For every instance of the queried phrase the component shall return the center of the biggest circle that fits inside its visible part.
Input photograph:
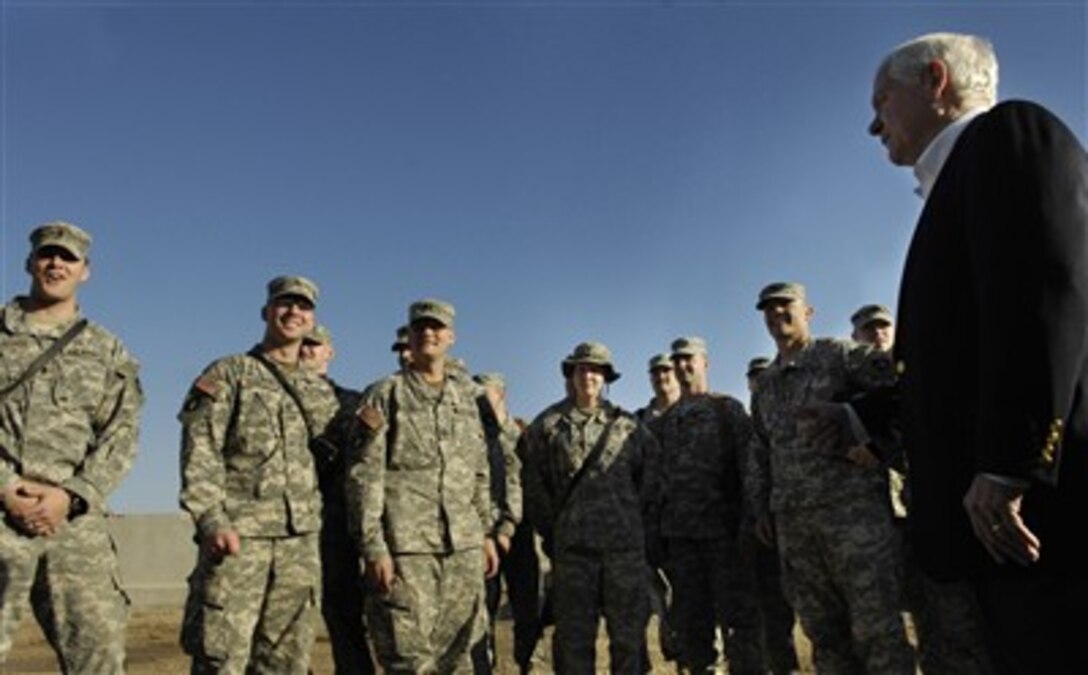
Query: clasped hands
(36, 509)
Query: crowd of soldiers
(393, 511)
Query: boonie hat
(593, 353)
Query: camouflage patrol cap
(70, 237)
(780, 290)
(688, 346)
(869, 314)
(298, 286)
(401, 343)
(320, 335)
(490, 380)
(430, 308)
(593, 353)
(659, 362)
(757, 365)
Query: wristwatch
(77, 506)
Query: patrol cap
(490, 380)
(780, 290)
(401, 343)
(60, 233)
(593, 353)
(319, 336)
(688, 346)
(870, 313)
(757, 365)
(297, 286)
(659, 362)
(430, 308)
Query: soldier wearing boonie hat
(593, 354)
(705, 435)
(592, 519)
(258, 535)
(421, 426)
(69, 431)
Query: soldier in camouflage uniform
(840, 559)
(666, 390)
(946, 615)
(704, 438)
(67, 438)
(341, 585)
(419, 500)
(665, 386)
(502, 432)
(590, 484)
(401, 348)
(776, 615)
(249, 482)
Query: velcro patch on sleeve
(371, 417)
(207, 385)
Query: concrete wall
(157, 553)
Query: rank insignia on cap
(371, 417)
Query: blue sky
(561, 171)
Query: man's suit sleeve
(1026, 197)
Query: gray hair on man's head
(971, 62)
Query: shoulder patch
(207, 385)
(371, 417)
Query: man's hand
(37, 509)
(503, 542)
(825, 426)
(860, 455)
(491, 558)
(994, 510)
(46, 516)
(765, 531)
(17, 504)
(380, 573)
(222, 543)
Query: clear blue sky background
(561, 171)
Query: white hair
(971, 63)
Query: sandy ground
(153, 648)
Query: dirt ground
(153, 648)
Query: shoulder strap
(45, 357)
(591, 459)
(289, 388)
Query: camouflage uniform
(704, 439)
(73, 424)
(246, 466)
(776, 615)
(840, 557)
(419, 491)
(342, 587)
(596, 531)
(505, 470)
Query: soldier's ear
(86, 273)
(453, 336)
(264, 313)
(29, 264)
